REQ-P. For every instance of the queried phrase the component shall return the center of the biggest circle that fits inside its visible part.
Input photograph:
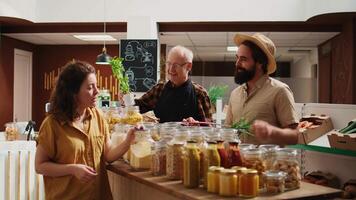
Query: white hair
(182, 51)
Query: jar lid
(272, 174)
(244, 146)
(269, 147)
(215, 169)
(254, 151)
(250, 171)
(287, 152)
(238, 168)
(228, 171)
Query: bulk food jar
(159, 154)
(191, 165)
(249, 183)
(211, 155)
(270, 154)
(132, 115)
(231, 147)
(287, 161)
(228, 183)
(197, 135)
(214, 179)
(255, 159)
(140, 156)
(274, 181)
(174, 165)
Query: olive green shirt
(270, 100)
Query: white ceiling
(207, 46)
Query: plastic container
(11, 131)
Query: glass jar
(249, 183)
(239, 171)
(231, 142)
(174, 165)
(132, 115)
(255, 159)
(11, 131)
(197, 135)
(287, 161)
(191, 165)
(153, 127)
(141, 150)
(228, 183)
(274, 181)
(211, 154)
(104, 98)
(213, 179)
(270, 155)
(159, 153)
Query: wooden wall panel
(49, 58)
(7, 46)
(324, 79)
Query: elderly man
(260, 97)
(179, 98)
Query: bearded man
(258, 96)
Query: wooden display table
(127, 184)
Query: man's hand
(263, 131)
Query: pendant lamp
(103, 58)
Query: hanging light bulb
(103, 58)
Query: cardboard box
(342, 141)
(321, 125)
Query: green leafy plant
(243, 126)
(119, 73)
(216, 91)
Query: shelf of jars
(210, 158)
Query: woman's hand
(130, 137)
(83, 173)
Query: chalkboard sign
(140, 62)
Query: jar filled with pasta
(174, 163)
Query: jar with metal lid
(104, 98)
(228, 183)
(211, 155)
(174, 163)
(270, 155)
(132, 115)
(141, 150)
(287, 161)
(274, 181)
(159, 155)
(198, 136)
(213, 179)
(231, 144)
(239, 171)
(249, 183)
(255, 159)
(191, 165)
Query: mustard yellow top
(66, 144)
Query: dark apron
(178, 103)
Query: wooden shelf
(176, 190)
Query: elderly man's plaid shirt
(148, 101)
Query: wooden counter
(127, 184)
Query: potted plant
(118, 71)
(216, 92)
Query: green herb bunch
(216, 91)
(119, 73)
(243, 126)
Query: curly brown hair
(62, 102)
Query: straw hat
(266, 45)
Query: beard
(244, 75)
